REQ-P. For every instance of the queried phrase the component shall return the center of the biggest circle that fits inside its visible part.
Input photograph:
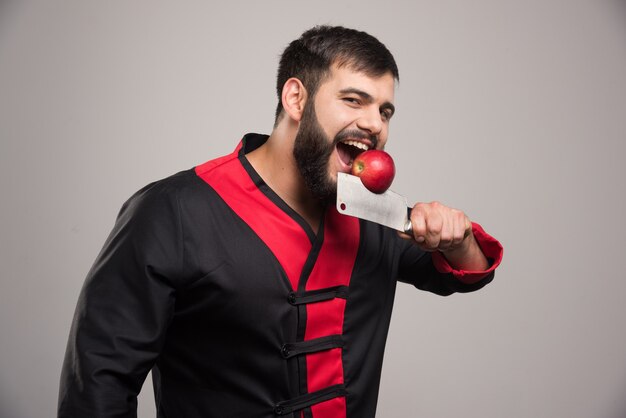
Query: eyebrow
(368, 97)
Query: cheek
(324, 123)
(382, 138)
(336, 118)
(331, 128)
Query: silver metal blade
(389, 208)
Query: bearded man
(239, 284)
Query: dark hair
(310, 57)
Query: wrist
(467, 256)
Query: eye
(386, 114)
(351, 100)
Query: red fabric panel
(336, 259)
(333, 408)
(324, 318)
(207, 166)
(328, 367)
(489, 245)
(284, 236)
(333, 268)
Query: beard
(312, 151)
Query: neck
(274, 162)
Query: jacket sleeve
(124, 308)
(431, 272)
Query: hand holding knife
(433, 226)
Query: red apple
(376, 170)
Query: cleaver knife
(389, 208)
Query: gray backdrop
(514, 111)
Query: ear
(294, 98)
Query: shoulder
(177, 201)
(158, 192)
(159, 201)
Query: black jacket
(240, 310)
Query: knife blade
(389, 208)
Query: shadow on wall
(7, 409)
(6, 7)
(620, 405)
(619, 412)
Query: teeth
(359, 145)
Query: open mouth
(348, 150)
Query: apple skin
(376, 170)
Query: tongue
(344, 155)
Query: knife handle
(408, 227)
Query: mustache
(356, 134)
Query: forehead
(381, 88)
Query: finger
(447, 229)
(460, 228)
(404, 235)
(434, 226)
(418, 221)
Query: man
(238, 283)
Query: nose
(371, 122)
